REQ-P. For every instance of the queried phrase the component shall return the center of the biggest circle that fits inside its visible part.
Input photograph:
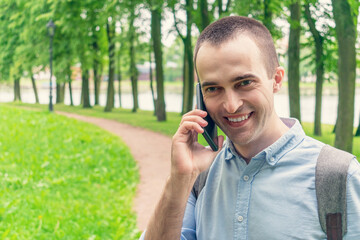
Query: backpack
(330, 183)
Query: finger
(188, 126)
(194, 118)
(198, 112)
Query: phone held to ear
(210, 131)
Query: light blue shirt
(272, 197)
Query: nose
(232, 102)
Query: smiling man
(261, 183)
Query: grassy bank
(63, 179)
(146, 119)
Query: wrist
(179, 185)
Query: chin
(240, 139)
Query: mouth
(239, 118)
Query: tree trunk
(184, 88)
(151, 80)
(319, 69)
(268, 16)
(69, 80)
(17, 95)
(189, 67)
(119, 78)
(294, 61)
(34, 88)
(220, 3)
(205, 19)
(96, 71)
(133, 69)
(96, 83)
(346, 36)
(156, 37)
(60, 92)
(110, 27)
(85, 88)
(70, 94)
(82, 95)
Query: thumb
(220, 142)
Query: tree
(10, 28)
(97, 49)
(17, 95)
(220, 7)
(204, 12)
(345, 15)
(294, 60)
(188, 67)
(34, 36)
(110, 29)
(156, 39)
(34, 87)
(133, 70)
(119, 73)
(320, 50)
(320, 68)
(73, 45)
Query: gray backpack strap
(199, 183)
(330, 181)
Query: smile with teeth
(239, 119)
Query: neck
(251, 149)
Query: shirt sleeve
(188, 230)
(353, 201)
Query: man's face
(237, 91)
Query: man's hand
(188, 157)
(188, 160)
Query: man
(261, 184)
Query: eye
(211, 89)
(245, 82)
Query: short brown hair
(229, 28)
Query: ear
(278, 78)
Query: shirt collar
(275, 151)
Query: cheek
(266, 94)
(211, 103)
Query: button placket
(243, 198)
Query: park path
(152, 153)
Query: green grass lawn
(63, 179)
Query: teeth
(239, 119)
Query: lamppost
(51, 31)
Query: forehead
(238, 51)
(240, 44)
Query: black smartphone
(210, 131)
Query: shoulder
(354, 169)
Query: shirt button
(240, 218)
(246, 178)
(272, 159)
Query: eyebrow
(236, 79)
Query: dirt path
(152, 153)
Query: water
(174, 101)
